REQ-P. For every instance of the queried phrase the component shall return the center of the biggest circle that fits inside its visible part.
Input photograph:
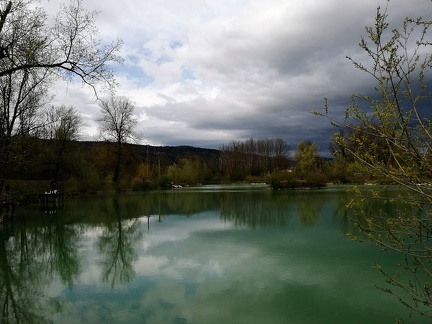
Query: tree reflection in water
(116, 244)
(254, 209)
(35, 254)
(60, 242)
(30, 257)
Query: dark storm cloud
(204, 73)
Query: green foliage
(389, 137)
(289, 180)
(188, 171)
(164, 181)
(393, 222)
(144, 172)
(306, 158)
(343, 171)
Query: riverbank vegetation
(40, 142)
(80, 167)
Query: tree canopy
(69, 46)
(36, 50)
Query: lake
(208, 255)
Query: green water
(193, 256)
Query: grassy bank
(26, 190)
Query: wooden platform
(51, 199)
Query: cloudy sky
(207, 72)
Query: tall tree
(68, 46)
(33, 52)
(22, 93)
(62, 126)
(116, 125)
(282, 154)
(306, 158)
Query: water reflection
(116, 244)
(254, 209)
(167, 251)
(29, 256)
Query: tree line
(39, 141)
(253, 157)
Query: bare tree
(62, 126)
(33, 52)
(68, 47)
(254, 156)
(282, 154)
(21, 95)
(117, 123)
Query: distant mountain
(168, 154)
(172, 154)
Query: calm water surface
(185, 256)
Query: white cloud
(204, 73)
